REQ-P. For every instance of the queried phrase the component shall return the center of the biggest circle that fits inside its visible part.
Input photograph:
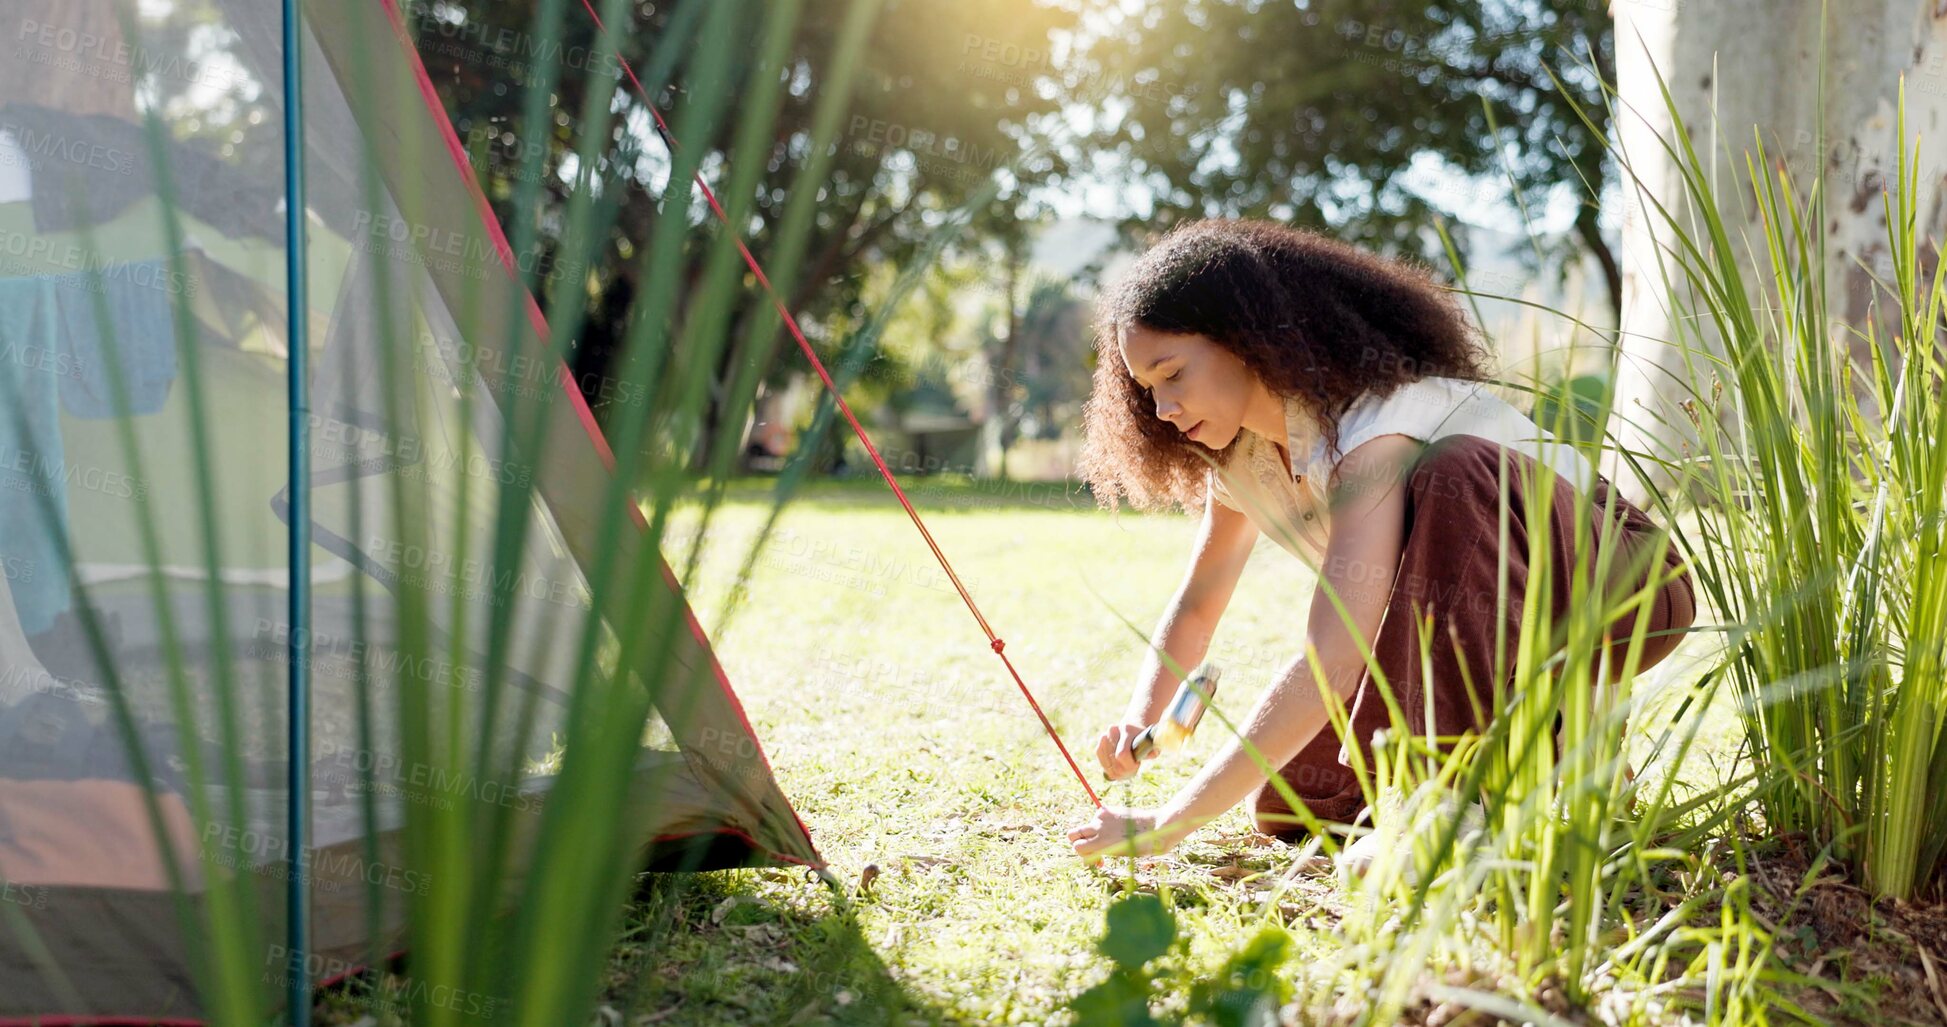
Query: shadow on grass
(751, 946)
(754, 946)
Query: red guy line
(764, 280)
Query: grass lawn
(904, 744)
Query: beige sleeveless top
(1292, 507)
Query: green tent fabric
(88, 923)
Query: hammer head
(1180, 717)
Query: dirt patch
(1829, 929)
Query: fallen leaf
(723, 908)
(762, 934)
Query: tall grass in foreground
(1515, 879)
(566, 882)
(1829, 543)
(503, 921)
(516, 899)
(1516, 876)
(1578, 891)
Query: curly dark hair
(1309, 315)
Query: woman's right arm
(1224, 543)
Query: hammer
(1180, 716)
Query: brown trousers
(1449, 568)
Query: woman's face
(1200, 388)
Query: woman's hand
(1119, 831)
(1112, 750)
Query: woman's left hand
(1119, 831)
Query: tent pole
(298, 715)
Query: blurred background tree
(1334, 114)
(1369, 120)
(920, 139)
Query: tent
(91, 310)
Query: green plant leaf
(1122, 1000)
(1140, 929)
(1250, 988)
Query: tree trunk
(998, 393)
(1758, 61)
(1588, 225)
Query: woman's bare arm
(1361, 561)
(1222, 548)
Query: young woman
(1290, 384)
